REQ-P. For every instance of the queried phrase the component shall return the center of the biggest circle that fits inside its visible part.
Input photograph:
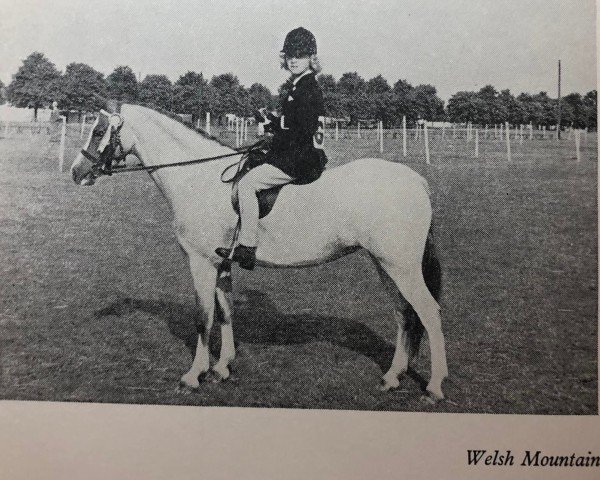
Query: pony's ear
(111, 106)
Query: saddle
(255, 157)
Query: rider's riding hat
(299, 43)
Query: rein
(153, 168)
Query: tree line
(81, 88)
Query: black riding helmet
(299, 43)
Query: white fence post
(521, 134)
(358, 129)
(82, 125)
(476, 143)
(530, 131)
(404, 135)
(426, 136)
(507, 141)
(380, 125)
(207, 123)
(61, 151)
(336, 132)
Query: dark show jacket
(292, 148)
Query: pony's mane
(173, 116)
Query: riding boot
(245, 256)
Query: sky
(453, 45)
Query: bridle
(108, 158)
(113, 152)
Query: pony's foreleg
(205, 278)
(415, 291)
(225, 304)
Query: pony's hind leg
(225, 310)
(205, 277)
(409, 334)
(412, 285)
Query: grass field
(97, 304)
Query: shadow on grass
(257, 321)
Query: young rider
(293, 156)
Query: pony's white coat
(381, 206)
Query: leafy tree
(260, 96)
(35, 85)
(401, 102)
(156, 90)
(353, 96)
(533, 108)
(547, 105)
(380, 98)
(488, 109)
(426, 103)
(590, 109)
(331, 98)
(228, 95)
(122, 84)
(573, 111)
(463, 107)
(78, 86)
(509, 108)
(192, 95)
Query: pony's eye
(98, 133)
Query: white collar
(306, 72)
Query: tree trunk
(35, 109)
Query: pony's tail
(432, 273)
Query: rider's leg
(260, 178)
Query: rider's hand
(260, 115)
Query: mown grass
(97, 304)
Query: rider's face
(298, 65)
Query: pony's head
(103, 148)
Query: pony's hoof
(432, 398)
(220, 374)
(188, 383)
(214, 377)
(185, 389)
(389, 384)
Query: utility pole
(559, 105)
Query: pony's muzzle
(81, 171)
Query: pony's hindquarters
(399, 238)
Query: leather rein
(103, 165)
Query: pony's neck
(160, 139)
